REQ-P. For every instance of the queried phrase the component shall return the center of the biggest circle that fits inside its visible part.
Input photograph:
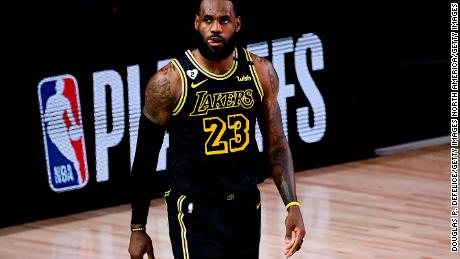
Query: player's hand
(140, 244)
(295, 231)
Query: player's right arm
(161, 94)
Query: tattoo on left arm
(279, 154)
(279, 158)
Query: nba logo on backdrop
(63, 134)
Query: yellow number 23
(217, 127)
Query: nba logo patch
(63, 135)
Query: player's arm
(278, 152)
(275, 143)
(161, 94)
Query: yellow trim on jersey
(212, 75)
(254, 74)
(257, 81)
(184, 85)
(180, 217)
(246, 53)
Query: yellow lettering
(207, 102)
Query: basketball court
(395, 206)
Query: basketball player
(209, 101)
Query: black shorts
(225, 227)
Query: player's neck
(214, 66)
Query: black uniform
(215, 165)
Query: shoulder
(163, 91)
(166, 78)
(259, 61)
(167, 74)
(266, 72)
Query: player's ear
(238, 24)
(197, 22)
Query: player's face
(217, 23)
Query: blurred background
(355, 78)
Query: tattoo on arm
(159, 96)
(279, 154)
(281, 173)
(274, 82)
(279, 157)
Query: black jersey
(212, 147)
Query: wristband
(138, 229)
(292, 203)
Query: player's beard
(215, 55)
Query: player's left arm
(278, 153)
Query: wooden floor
(387, 207)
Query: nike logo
(195, 85)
